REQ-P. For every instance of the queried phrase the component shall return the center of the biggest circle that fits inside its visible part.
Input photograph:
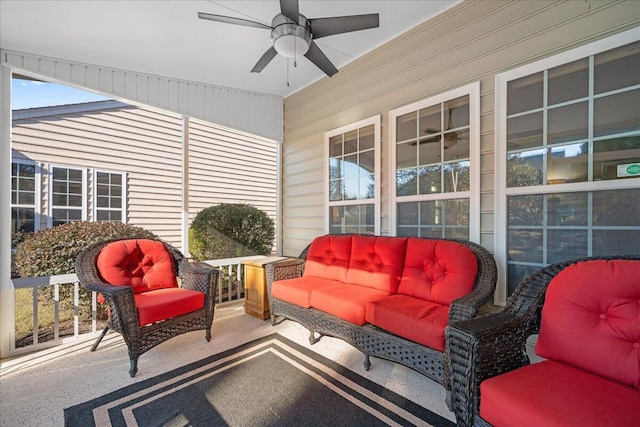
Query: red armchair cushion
(437, 270)
(328, 258)
(298, 290)
(554, 394)
(162, 304)
(348, 302)
(141, 264)
(591, 319)
(412, 318)
(376, 262)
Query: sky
(31, 94)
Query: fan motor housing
(289, 38)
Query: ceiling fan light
(291, 46)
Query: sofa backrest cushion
(438, 270)
(328, 257)
(591, 319)
(376, 262)
(142, 264)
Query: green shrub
(230, 230)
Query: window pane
(351, 189)
(617, 68)
(367, 161)
(568, 82)
(616, 207)
(616, 113)
(102, 178)
(456, 113)
(524, 132)
(60, 200)
(75, 175)
(612, 158)
(429, 151)
(431, 233)
(457, 212)
(102, 202)
(406, 182)
(525, 210)
(456, 177)
(430, 180)
(525, 169)
(408, 213)
(335, 146)
(430, 120)
(351, 142)
(367, 138)
(59, 173)
(568, 123)
(367, 187)
(456, 145)
(524, 94)
(406, 127)
(517, 273)
(408, 232)
(567, 209)
(406, 155)
(616, 242)
(350, 164)
(116, 202)
(335, 168)
(568, 163)
(102, 190)
(456, 233)
(525, 245)
(566, 244)
(26, 198)
(22, 220)
(431, 212)
(335, 190)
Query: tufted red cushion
(328, 257)
(348, 302)
(438, 270)
(141, 264)
(376, 262)
(298, 290)
(591, 319)
(162, 304)
(553, 394)
(411, 318)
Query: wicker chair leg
(312, 337)
(133, 367)
(95, 344)
(367, 362)
(208, 335)
(273, 320)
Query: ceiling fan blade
(322, 27)
(264, 60)
(315, 55)
(231, 20)
(289, 8)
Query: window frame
(94, 193)
(37, 206)
(51, 206)
(471, 90)
(502, 192)
(375, 121)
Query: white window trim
(501, 190)
(375, 121)
(123, 209)
(37, 192)
(50, 205)
(473, 91)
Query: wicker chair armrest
(198, 276)
(281, 270)
(481, 348)
(123, 314)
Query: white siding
(471, 42)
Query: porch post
(6, 291)
(185, 186)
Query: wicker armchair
(485, 347)
(140, 335)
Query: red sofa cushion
(591, 319)
(376, 262)
(141, 264)
(349, 302)
(328, 258)
(298, 290)
(162, 304)
(412, 318)
(438, 270)
(555, 394)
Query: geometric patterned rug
(271, 381)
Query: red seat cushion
(328, 257)
(554, 394)
(298, 290)
(438, 270)
(591, 319)
(412, 318)
(376, 262)
(162, 304)
(141, 264)
(348, 302)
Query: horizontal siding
(471, 42)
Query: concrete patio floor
(35, 388)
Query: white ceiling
(166, 38)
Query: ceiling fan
(293, 34)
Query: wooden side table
(256, 302)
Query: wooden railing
(230, 288)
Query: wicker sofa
(390, 297)
(587, 315)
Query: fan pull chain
(295, 52)
(287, 72)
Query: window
(352, 178)
(435, 162)
(24, 203)
(67, 195)
(568, 158)
(110, 201)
